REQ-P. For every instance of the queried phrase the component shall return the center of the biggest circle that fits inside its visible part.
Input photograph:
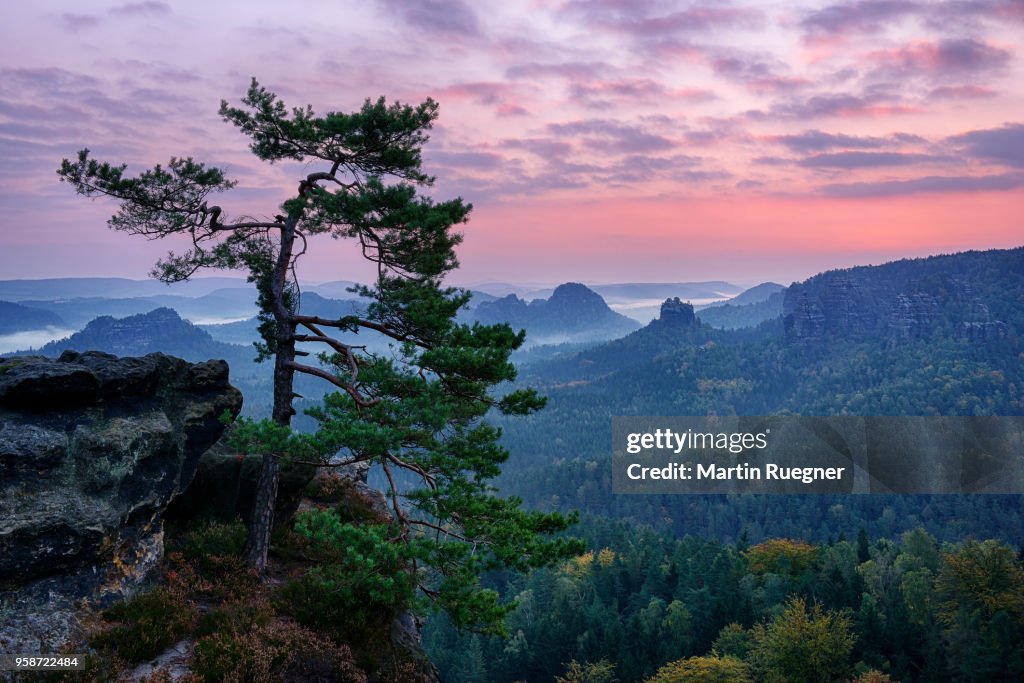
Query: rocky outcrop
(838, 306)
(92, 449)
(677, 313)
(803, 319)
(907, 300)
(913, 315)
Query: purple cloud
(943, 57)
(771, 161)
(443, 17)
(852, 160)
(647, 20)
(480, 161)
(545, 148)
(508, 109)
(739, 68)
(868, 16)
(872, 102)
(480, 92)
(78, 22)
(962, 92)
(45, 79)
(576, 71)
(635, 88)
(1004, 145)
(929, 184)
(819, 141)
(652, 164)
(874, 16)
(614, 136)
(139, 8)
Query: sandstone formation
(677, 313)
(92, 449)
(900, 301)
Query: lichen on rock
(92, 449)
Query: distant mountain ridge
(109, 287)
(753, 295)
(740, 312)
(974, 294)
(958, 307)
(246, 331)
(573, 313)
(662, 290)
(19, 318)
(929, 337)
(220, 304)
(161, 330)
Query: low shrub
(213, 539)
(281, 650)
(235, 617)
(146, 625)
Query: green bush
(214, 539)
(362, 582)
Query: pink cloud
(509, 109)
(481, 92)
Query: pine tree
(417, 408)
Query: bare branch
(399, 514)
(361, 322)
(413, 467)
(351, 390)
(439, 529)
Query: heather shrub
(146, 625)
(281, 650)
(235, 617)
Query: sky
(606, 141)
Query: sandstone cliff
(92, 449)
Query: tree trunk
(261, 521)
(262, 518)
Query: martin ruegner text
(771, 471)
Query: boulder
(92, 449)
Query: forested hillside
(793, 588)
(904, 608)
